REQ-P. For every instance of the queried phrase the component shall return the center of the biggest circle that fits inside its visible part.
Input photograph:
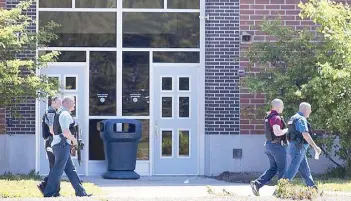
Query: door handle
(156, 130)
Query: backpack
(45, 128)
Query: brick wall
(252, 13)
(221, 78)
(25, 124)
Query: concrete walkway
(173, 187)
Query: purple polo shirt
(275, 120)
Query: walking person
(47, 134)
(299, 141)
(61, 145)
(275, 146)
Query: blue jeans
(277, 159)
(63, 162)
(298, 162)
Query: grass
(25, 186)
(326, 184)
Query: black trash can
(120, 138)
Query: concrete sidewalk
(173, 187)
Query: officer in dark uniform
(61, 145)
(275, 146)
(48, 132)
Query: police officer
(48, 132)
(61, 145)
(275, 146)
(299, 140)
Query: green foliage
(313, 67)
(18, 77)
(16, 177)
(286, 190)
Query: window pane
(143, 3)
(167, 109)
(161, 30)
(135, 83)
(184, 107)
(167, 84)
(184, 4)
(80, 29)
(184, 143)
(68, 56)
(167, 144)
(176, 57)
(96, 146)
(102, 84)
(71, 83)
(184, 84)
(55, 3)
(96, 3)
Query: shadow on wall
(17, 153)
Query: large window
(102, 87)
(96, 3)
(82, 29)
(161, 30)
(135, 83)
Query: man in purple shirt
(275, 146)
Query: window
(143, 3)
(167, 143)
(176, 57)
(161, 30)
(68, 56)
(96, 3)
(183, 4)
(80, 29)
(55, 3)
(135, 83)
(102, 84)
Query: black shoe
(86, 195)
(254, 188)
(41, 188)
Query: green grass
(328, 184)
(25, 186)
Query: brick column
(222, 81)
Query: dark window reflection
(167, 109)
(68, 56)
(183, 4)
(167, 145)
(96, 3)
(167, 84)
(135, 84)
(176, 57)
(143, 3)
(82, 29)
(161, 30)
(55, 4)
(184, 107)
(184, 142)
(184, 83)
(96, 146)
(102, 84)
(71, 83)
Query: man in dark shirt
(275, 146)
(48, 132)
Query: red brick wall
(252, 13)
(2, 111)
